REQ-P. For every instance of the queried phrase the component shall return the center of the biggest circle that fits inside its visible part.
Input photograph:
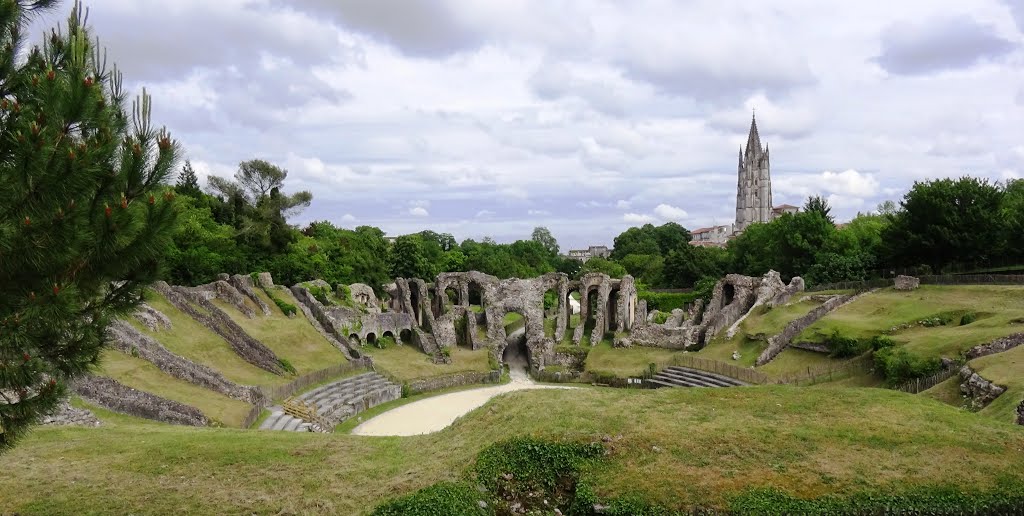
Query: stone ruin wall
(118, 397)
(732, 300)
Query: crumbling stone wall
(265, 280)
(151, 318)
(223, 290)
(996, 346)
(906, 283)
(980, 391)
(722, 312)
(130, 341)
(250, 349)
(779, 342)
(364, 295)
(453, 380)
(113, 395)
(65, 414)
(317, 315)
(626, 304)
(1020, 413)
(245, 286)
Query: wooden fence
(254, 414)
(828, 372)
(278, 392)
(919, 385)
(939, 279)
(743, 374)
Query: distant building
(781, 210)
(594, 251)
(715, 236)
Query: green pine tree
(84, 218)
(188, 181)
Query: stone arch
(589, 305)
(388, 333)
(371, 338)
(451, 297)
(354, 339)
(728, 294)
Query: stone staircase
(676, 376)
(336, 402)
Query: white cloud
(348, 217)
(483, 214)
(669, 212)
(637, 218)
(419, 211)
(623, 205)
(538, 213)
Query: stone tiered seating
(335, 402)
(676, 376)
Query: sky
(489, 118)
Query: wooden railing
(278, 392)
(307, 412)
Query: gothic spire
(754, 140)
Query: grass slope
(194, 341)
(678, 447)
(1005, 369)
(408, 363)
(997, 307)
(144, 376)
(625, 362)
(291, 338)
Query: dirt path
(433, 414)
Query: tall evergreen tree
(188, 181)
(818, 204)
(83, 224)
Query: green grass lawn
(291, 338)
(1005, 369)
(771, 321)
(874, 313)
(144, 376)
(408, 363)
(625, 362)
(947, 392)
(194, 341)
(678, 447)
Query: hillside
(676, 447)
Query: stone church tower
(754, 185)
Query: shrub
(882, 341)
(666, 301)
(285, 307)
(438, 499)
(406, 390)
(286, 365)
(344, 293)
(321, 294)
(661, 317)
(845, 347)
(968, 318)
(899, 365)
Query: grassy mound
(194, 341)
(408, 363)
(1005, 369)
(291, 338)
(996, 308)
(144, 376)
(674, 447)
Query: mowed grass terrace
(678, 447)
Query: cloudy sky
(487, 118)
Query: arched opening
(551, 308)
(612, 311)
(516, 355)
(476, 297)
(728, 293)
(593, 301)
(572, 311)
(371, 338)
(387, 338)
(414, 298)
(451, 298)
(354, 340)
(405, 336)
